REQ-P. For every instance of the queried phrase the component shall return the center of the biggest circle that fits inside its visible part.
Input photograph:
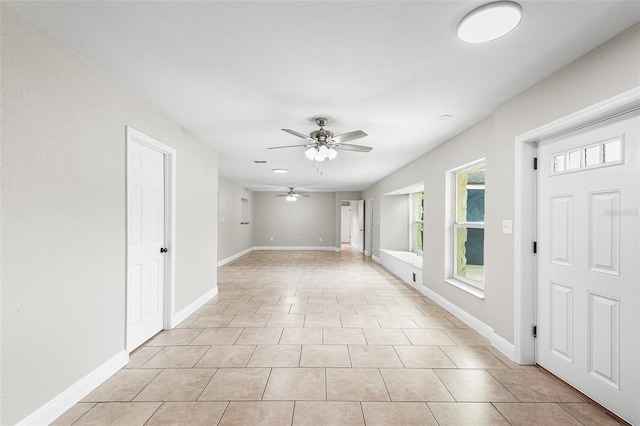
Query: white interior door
(345, 221)
(360, 229)
(146, 238)
(588, 294)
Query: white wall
(607, 71)
(63, 216)
(233, 237)
(310, 218)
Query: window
(607, 153)
(417, 225)
(468, 227)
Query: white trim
(525, 210)
(497, 341)
(170, 219)
(183, 314)
(57, 406)
(234, 257)
(375, 259)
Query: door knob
(163, 249)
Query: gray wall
(63, 216)
(607, 71)
(394, 222)
(233, 237)
(310, 218)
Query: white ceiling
(235, 73)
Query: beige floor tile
(266, 413)
(188, 413)
(385, 336)
(236, 384)
(142, 355)
(176, 357)
(211, 309)
(397, 414)
(472, 357)
(534, 414)
(427, 336)
(366, 309)
(276, 356)
(423, 357)
(259, 336)
(208, 321)
(255, 320)
(313, 413)
(355, 384)
(466, 413)
(467, 337)
(293, 384)
(374, 357)
(280, 308)
(177, 336)
(424, 321)
(217, 336)
(474, 386)
(343, 336)
(122, 386)
(359, 321)
(380, 300)
(414, 385)
(226, 356)
(73, 414)
(322, 299)
(588, 414)
(294, 300)
(396, 309)
(322, 320)
(396, 321)
(177, 385)
(325, 356)
(286, 320)
(240, 310)
(301, 336)
(119, 413)
(534, 386)
(305, 308)
(328, 309)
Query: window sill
(474, 291)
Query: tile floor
(324, 338)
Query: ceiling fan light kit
(322, 144)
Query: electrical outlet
(507, 227)
(320, 239)
(299, 238)
(271, 239)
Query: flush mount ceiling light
(489, 22)
(280, 171)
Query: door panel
(588, 295)
(145, 236)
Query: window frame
(413, 221)
(475, 287)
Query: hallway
(318, 337)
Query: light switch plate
(507, 227)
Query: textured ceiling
(235, 73)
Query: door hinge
(535, 163)
(535, 331)
(535, 247)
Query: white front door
(146, 238)
(588, 293)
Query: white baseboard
(193, 306)
(498, 342)
(375, 259)
(234, 257)
(70, 396)
(323, 248)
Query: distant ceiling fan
(292, 195)
(323, 144)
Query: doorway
(150, 234)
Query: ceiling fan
(292, 195)
(323, 144)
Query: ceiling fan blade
(281, 195)
(351, 147)
(298, 134)
(356, 134)
(288, 146)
